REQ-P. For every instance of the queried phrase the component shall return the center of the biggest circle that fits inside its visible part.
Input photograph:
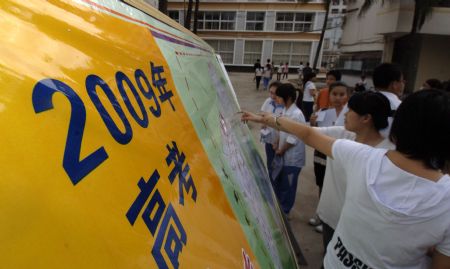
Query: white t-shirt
(295, 156)
(340, 121)
(335, 182)
(326, 118)
(395, 103)
(279, 69)
(307, 97)
(270, 135)
(267, 72)
(390, 217)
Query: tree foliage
(422, 10)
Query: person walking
(279, 70)
(258, 75)
(285, 70)
(267, 76)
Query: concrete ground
(307, 191)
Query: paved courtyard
(307, 191)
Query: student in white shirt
(388, 80)
(258, 75)
(368, 113)
(269, 136)
(309, 93)
(338, 96)
(397, 202)
(290, 148)
(300, 71)
(285, 70)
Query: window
(174, 15)
(335, 2)
(291, 52)
(442, 3)
(334, 11)
(326, 43)
(329, 23)
(344, 11)
(299, 22)
(216, 20)
(328, 61)
(255, 21)
(252, 51)
(225, 48)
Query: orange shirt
(322, 99)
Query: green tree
(422, 10)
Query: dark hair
(446, 86)
(335, 73)
(386, 73)
(275, 83)
(286, 91)
(308, 76)
(421, 127)
(434, 83)
(374, 104)
(337, 84)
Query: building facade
(244, 31)
(382, 35)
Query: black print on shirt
(348, 259)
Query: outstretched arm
(305, 133)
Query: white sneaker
(319, 228)
(314, 221)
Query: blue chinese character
(174, 241)
(156, 202)
(178, 159)
(160, 82)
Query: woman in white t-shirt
(309, 93)
(367, 114)
(397, 202)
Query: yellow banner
(101, 166)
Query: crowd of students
(381, 166)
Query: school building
(244, 31)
